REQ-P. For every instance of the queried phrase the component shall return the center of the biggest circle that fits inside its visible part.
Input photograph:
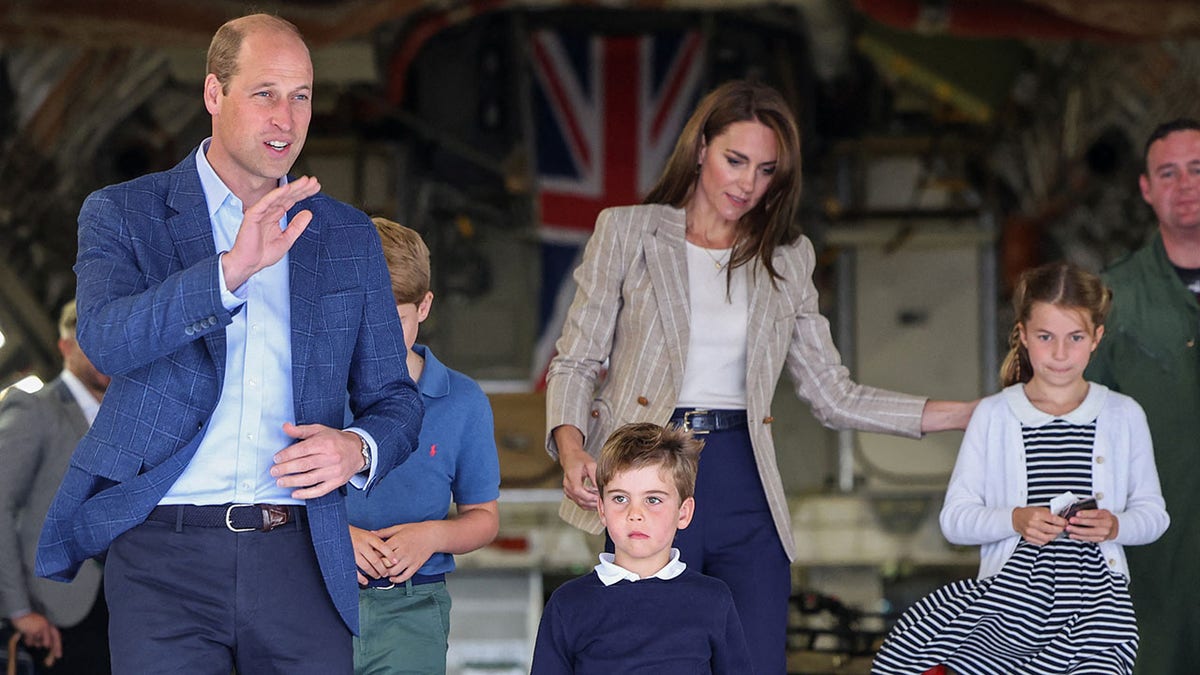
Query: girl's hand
(1095, 525)
(1037, 525)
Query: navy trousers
(204, 600)
(732, 537)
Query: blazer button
(188, 330)
(642, 400)
(595, 413)
(768, 419)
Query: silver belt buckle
(687, 422)
(229, 518)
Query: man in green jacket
(1149, 352)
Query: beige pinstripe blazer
(632, 309)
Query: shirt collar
(435, 377)
(1030, 416)
(610, 572)
(86, 400)
(216, 192)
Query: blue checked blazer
(150, 315)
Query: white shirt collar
(610, 572)
(86, 400)
(1030, 416)
(216, 192)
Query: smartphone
(1081, 505)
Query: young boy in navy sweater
(642, 610)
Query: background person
(403, 539)
(66, 625)
(236, 310)
(1150, 354)
(697, 300)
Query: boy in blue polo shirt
(642, 610)
(404, 540)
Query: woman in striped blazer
(696, 300)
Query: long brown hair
(1061, 284)
(772, 221)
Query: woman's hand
(1094, 525)
(579, 469)
(1036, 524)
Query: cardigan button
(1112, 562)
(642, 400)
(1100, 459)
(768, 419)
(595, 413)
(1099, 496)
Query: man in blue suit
(234, 309)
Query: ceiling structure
(76, 74)
(171, 23)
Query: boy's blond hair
(642, 444)
(407, 260)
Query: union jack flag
(607, 111)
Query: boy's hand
(370, 554)
(1036, 524)
(1094, 525)
(410, 545)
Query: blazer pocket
(117, 466)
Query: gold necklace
(720, 264)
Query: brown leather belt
(234, 517)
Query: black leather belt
(701, 421)
(234, 517)
(416, 580)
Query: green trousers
(403, 630)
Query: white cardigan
(990, 479)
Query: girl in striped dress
(1052, 594)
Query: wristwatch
(366, 452)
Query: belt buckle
(687, 422)
(229, 518)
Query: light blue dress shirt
(233, 462)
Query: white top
(86, 399)
(990, 478)
(715, 373)
(610, 572)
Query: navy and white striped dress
(1056, 608)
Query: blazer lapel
(758, 321)
(666, 262)
(302, 278)
(192, 231)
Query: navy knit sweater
(683, 625)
